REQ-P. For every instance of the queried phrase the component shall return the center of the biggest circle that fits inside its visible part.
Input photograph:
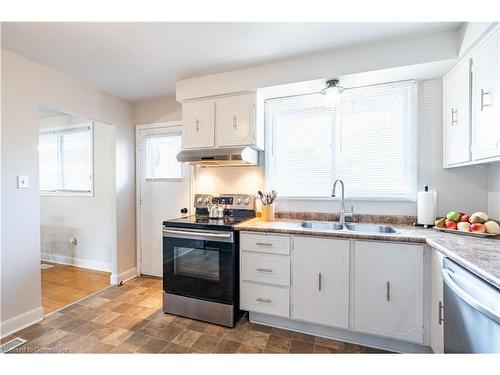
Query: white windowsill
(88, 194)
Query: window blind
(368, 140)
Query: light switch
(22, 182)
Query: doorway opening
(77, 164)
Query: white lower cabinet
(436, 302)
(320, 284)
(388, 290)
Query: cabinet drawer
(265, 243)
(265, 299)
(265, 268)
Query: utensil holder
(267, 212)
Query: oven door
(199, 264)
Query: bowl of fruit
(478, 224)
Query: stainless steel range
(200, 259)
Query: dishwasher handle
(466, 297)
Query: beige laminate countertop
(479, 255)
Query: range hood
(220, 157)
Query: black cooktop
(204, 222)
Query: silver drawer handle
(197, 125)
(319, 281)
(265, 300)
(440, 313)
(235, 122)
(388, 285)
(263, 244)
(264, 269)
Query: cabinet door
(198, 119)
(486, 98)
(235, 121)
(436, 303)
(320, 284)
(456, 117)
(388, 290)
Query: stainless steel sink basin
(325, 225)
(370, 228)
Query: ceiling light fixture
(332, 90)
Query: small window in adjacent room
(368, 139)
(161, 157)
(66, 160)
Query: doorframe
(138, 129)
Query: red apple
(477, 227)
(450, 224)
(464, 218)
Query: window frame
(68, 192)
(163, 179)
(270, 143)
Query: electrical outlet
(22, 182)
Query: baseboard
(339, 334)
(115, 279)
(78, 262)
(20, 322)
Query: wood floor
(130, 319)
(63, 285)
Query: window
(368, 140)
(161, 156)
(66, 163)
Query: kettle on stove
(216, 211)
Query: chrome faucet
(343, 212)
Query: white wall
(494, 190)
(88, 219)
(25, 86)
(157, 110)
(398, 52)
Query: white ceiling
(137, 61)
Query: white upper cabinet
(235, 119)
(486, 98)
(198, 119)
(388, 290)
(456, 116)
(472, 106)
(226, 121)
(320, 292)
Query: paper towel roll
(426, 207)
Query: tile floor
(129, 319)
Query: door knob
(184, 210)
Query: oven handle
(199, 234)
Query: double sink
(353, 227)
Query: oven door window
(199, 269)
(197, 263)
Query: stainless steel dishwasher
(471, 312)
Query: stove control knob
(238, 201)
(199, 200)
(246, 201)
(207, 200)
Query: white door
(388, 290)
(321, 281)
(164, 191)
(486, 95)
(235, 120)
(456, 116)
(198, 118)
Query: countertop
(479, 255)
